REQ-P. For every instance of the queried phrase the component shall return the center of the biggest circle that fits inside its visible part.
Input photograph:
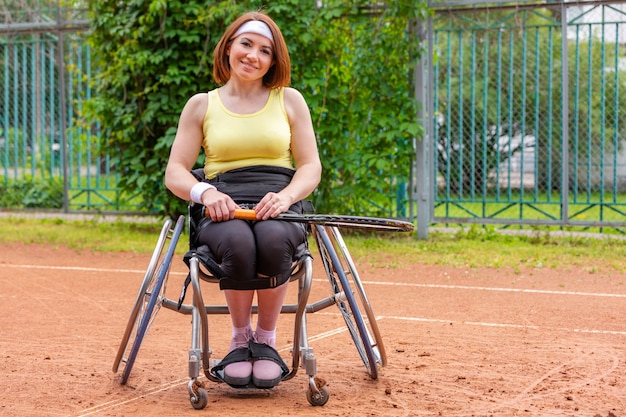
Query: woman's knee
(276, 245)
(233, 246)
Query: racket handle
(245, 214)
(242, 214)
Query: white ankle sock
(266, 336)
(240, 336)
(242, 330)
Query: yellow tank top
(241, 140)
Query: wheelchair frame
(347, 293)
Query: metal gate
(525, 107)
(516, 133)
(45, 75)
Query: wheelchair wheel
(199, 398)
(346, 301)
(143, 289)
(318, 399)
(365, 306)
(149, 298)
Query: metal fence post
(564, 116)
(62, 105)
(422, 165)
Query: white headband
(255, 26)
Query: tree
(350, 59)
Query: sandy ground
(459, 341)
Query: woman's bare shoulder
(294, 100)
(292, 94)
(198, 98)
(197, 105)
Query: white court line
(112, 404)
(397, 284)
(83, 268)
(517, 290)
(503, 325)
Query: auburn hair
(279, 74)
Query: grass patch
(488, 248)
(473, 248)
(96, 235)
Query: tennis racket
(349, 222)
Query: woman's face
(250, 56)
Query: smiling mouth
(247, 65)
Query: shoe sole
(238, 380)
(265, 383)
(235, 381)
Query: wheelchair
(346, 293)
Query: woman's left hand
(271, 205)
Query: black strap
(261, 351)
(205, 257)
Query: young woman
(260, 150)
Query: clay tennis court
(459, 341)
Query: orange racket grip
(245, 214)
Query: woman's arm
(183, 156)
(186, 147)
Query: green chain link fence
(528, 104)
(49, 157)
(529, 114)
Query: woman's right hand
(219, 206)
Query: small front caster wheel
(318, 399)
(200, 400)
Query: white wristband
(198, 189)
